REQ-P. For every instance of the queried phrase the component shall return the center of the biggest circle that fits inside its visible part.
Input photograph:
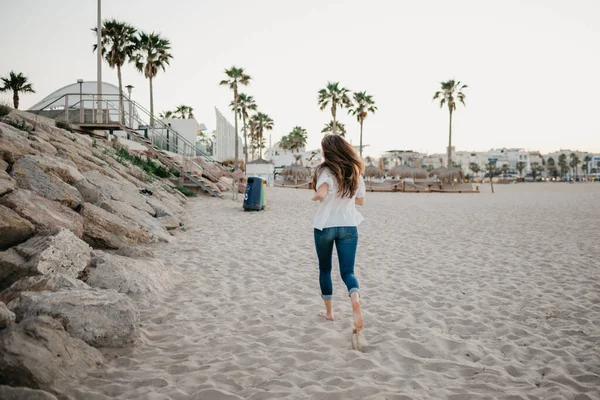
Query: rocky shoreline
(75, 226)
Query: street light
(129, 87)
(80, 81)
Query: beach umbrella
(398, 171)
(415, 173)
(296, 171)
(451, 174)
(372, 171)
(437, 171)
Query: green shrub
(4, 110)
(20, 125)
(63, 125)
(186, 192)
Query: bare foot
(327, 316)
(359, 321)
(358, 340)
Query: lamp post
(129, 87)
(80, 81)
(99, 60)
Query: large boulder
(45, 214)
(7, 184)
(63, 169)
(97, 187)
(104, 230)
(169, 222)
(39, 354)
(101, 318)
(29, 175)
(23, 393)
(133, 277)
(14, 229)
(7, 317)
(40, 283)
(13, 143)
(135, 217)
(62, 252)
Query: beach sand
(465, 297)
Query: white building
(224, 147)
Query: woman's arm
(359, 200)
(321, 193)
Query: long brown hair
(344, 163)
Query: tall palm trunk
(361, 130)
(334, 128)
(121, 106)
(151, 104)
(235, 107)
(245, 142)
(260, 137)
(450, 142)
(16, 99)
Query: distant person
(339, 186)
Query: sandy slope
(465, 297)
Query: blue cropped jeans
(346, 240)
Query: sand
(469, 296)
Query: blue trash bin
(253, 196)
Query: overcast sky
(532, 66)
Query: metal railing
(176, 149)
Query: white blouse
(334, 210)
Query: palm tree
(152, 54)
(535, 168)
(166, 114)
(474, 167)
(586, 165)
(118, 45)
(363, 104)
(562, 164)
(451, 91)
(245, 103)
(185, 112)
(341, 128)
(285, 143)
(236, 77)
(520, 167)
(574, 163)
(17, 83)
(335, 96)
(263, 122)
(297, 138)
(551, 167)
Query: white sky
(532, 66)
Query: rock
(43, 146)
(40, 283)
(102, 229)
(14, 229)
(97, 187)
(7, 184)
(13, 143)
(135, 217)
(62, 252)
(46, 215)
(169, 222)
(23, 393)
(7, 317)
(133, 277)
(39, 354)
(29, 175)
(101, 318)
(65, 170)
(134, 252)
(3, 165)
